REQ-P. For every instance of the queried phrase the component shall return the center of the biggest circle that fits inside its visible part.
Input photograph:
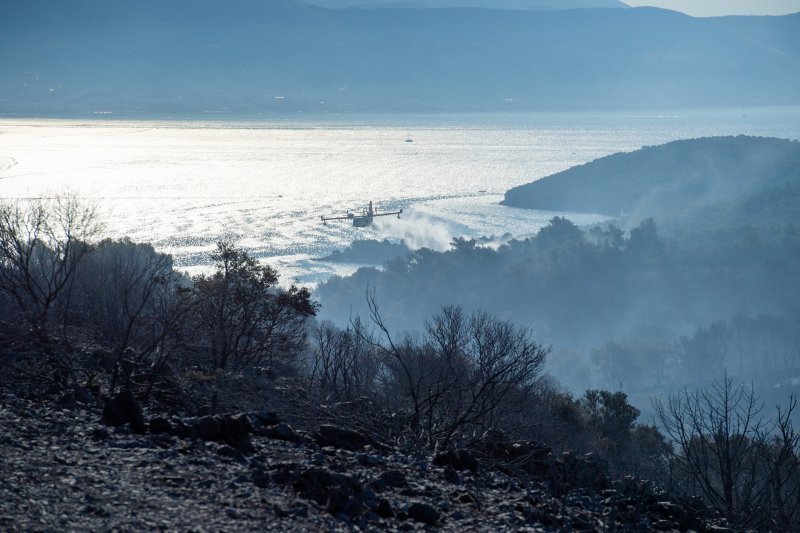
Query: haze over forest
(610, 376)
(704, 236)
(279, 56)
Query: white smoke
(6, 163)
(416, 230)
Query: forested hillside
(702, 191)
(734, 174)
(698, 272)
(221, 399)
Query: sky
(715, 8)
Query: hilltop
(728, 181)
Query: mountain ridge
(445, 4)
(284, 57)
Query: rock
(205, 410)
(233, 453)
(667, 510)
(102, 359)
(299, 509)
(498, 445)
(208, 428)
(179, 428)
(265, 418)
(100, 433)
(346, 439)
(370, 460)
(458, 459)
(124, 409)
(423, 512)
(82, 395)
(161, 425)
(159, 482)
(260, 478)
(235, 429)
(231, 429)
(466, 498)
(685, 516)
(318, 458)
(339, 493)
(450, 475)
(384, 509)
(665, 525)
(393, 478)
(282, 431)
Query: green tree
(243, 318)
(610, 413)
(560, 231)
(644, 238)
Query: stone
(342, 438)
(159, 425)
(100, 433)
(339, 493)
(393, 478)
(451, 475)
(458, 459)
(124, 409)
(260, 478)
(235, 427)
(265, 418)
(318, 458)
(232, 453)
(282, 431)
(370, 460)
(180, 429)
(384, 509)
(423, 512)
(665, 525)
(208, 428)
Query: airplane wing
(349, 216)
(388, 213)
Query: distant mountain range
(714, 183)
(488, 4)
(280, 56)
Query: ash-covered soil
(62, 468)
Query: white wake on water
(6, 164)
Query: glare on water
(183, 185)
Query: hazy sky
(713, 8)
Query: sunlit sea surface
(183, 185)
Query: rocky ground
(71, 466)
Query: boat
(364, 219)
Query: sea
(264, 182)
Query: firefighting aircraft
(365, 218)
